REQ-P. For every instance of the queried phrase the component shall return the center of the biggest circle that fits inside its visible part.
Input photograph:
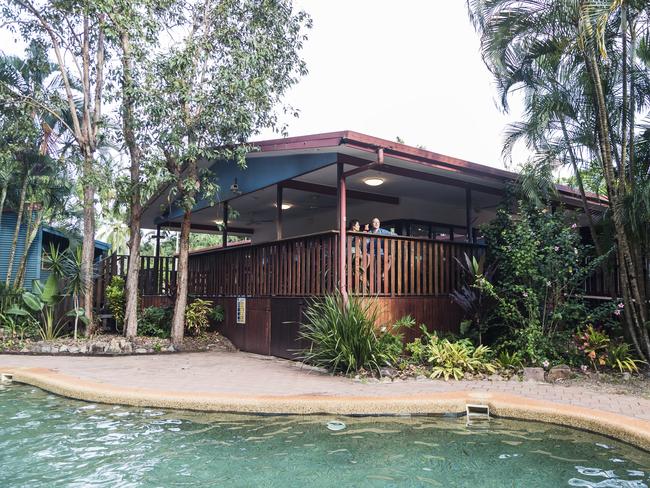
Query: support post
(156, 261)
(224, 230)
(278, 219)
(157, 242)
(468, 214)
(342, 221)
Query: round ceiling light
(373, 181)
(285, 206)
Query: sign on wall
(241, 310)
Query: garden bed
(115, 345)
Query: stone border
(627, 429)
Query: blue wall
(33, 270)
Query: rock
(114, 347)
(25, 349)
(128, 348)
(45, 349)
(171, 348)
(73, 350)
(533, 374)
(140, 350)
(388, 372)
(420, 377)
(54, 350)
(495, 377)
(98, 347)
(627, 376)
(83, 348)
(64, 348)
(560, 372)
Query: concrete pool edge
(628, 429)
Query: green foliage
(621, 358)
(197, 316)
(417, 349)
(116, 300)
(343, 337)
(457, 358)
(510, 360)
(155, 322)
(217, 313)
(43, 299)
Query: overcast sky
(411, 69)
(385, 68)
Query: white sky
(386, 68)
(411, 69)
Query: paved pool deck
(242, 382)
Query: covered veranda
(293, 203)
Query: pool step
(6, 378)
(477, 412)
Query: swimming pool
(46, 441)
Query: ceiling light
(374, 181)
(285, 206)
(218, 222)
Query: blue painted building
(46, 235)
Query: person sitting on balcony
(355, 226)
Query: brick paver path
(243, 373)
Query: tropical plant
(217, 313)
(155, 322)
(197, 316)
(594, 344)
(471, 298)
(417, 348)
(457, 358)
(343, 336)
(582, 67)
(620, 357)
(116, 300)
(43, 299)
(510, 360)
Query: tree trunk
(581, 187)
(178, 320)
(3, 197)
(19, 219)
(635, 304)
(29, 240)
(88, 243)
(128, 123)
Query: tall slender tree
(215, 87)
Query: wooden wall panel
(286, 315)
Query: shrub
(343, 337)
(217, 313)
(418, 348)
(510, 360)
(197, 316)
(457, 358)
(155, 322)
(620, 357)
(116, 300)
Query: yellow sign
(241, 310)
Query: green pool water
(48, 441)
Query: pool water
(48, 441)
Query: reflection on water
(48, 441)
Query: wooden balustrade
(302, 266)
(386, 266)
(404, 266)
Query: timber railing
(157, 275)
(388, 266)
(308, 266)
(300, 266)
(404, 266)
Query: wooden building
(293, 203)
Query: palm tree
(579, 64)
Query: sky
(410, 69)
